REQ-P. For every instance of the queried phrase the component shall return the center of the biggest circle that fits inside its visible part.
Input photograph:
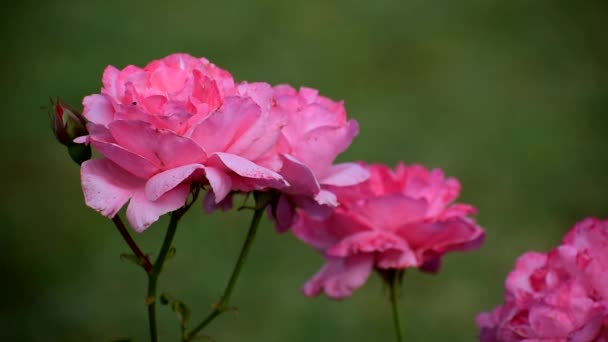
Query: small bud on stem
(68, 124)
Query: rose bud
(68, 124)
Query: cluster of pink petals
(181, 121)
(317, 130)
(557, 296)
(397, 219)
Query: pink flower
(558, 296)
(180, 120)
(397, 219)
(317, 131)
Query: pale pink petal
(168, 180)
(389, 212)
(325, 197)
(135, 164)
(260, 92)
(300, 177)
(338, 278)
(394, 251)
(98, 109)
(220, 183)
(444, 236)
(85, 139)
(320, 147)
(168, 80)
(247, 175)
(164, 148)
(226, 126)
(345, 174)
(106, 186)
(142, 212)
(325, 232)
(109, 79)
(205, 91)
(262, 135)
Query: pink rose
(316, 132)
(397, 219)
(180, 120)
(557, 296)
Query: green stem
(222, 306)
(393, 287)
(157, 269)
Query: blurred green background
(511, 97)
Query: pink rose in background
(557, 296)
(176, 121)
(397, 219)
(316, 132)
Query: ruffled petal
(345, 174)
(392, 251)
(98, 109)
(164, 148)
(227, 125)
(438, 238)
(246, 175)
(220, 183)
(142, 212)
(134, 163)
(106, 186)
(389, 212)
(338, 278)
(300, 177)
(320, 147)
(165, 181)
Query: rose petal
(165, 181)
(164, 148)
(98, 109)
(135, 164)
(338, 278)
(345, 174)
(247, 176)
(142, 212)
(106, 186)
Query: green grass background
(510, 97)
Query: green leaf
(130, 258)
(182, 311)
(165, 299)
(170, 253)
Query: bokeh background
(511, 97)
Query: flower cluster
(556, 296)
(397, 219)
(182, 121)
(181, 124)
